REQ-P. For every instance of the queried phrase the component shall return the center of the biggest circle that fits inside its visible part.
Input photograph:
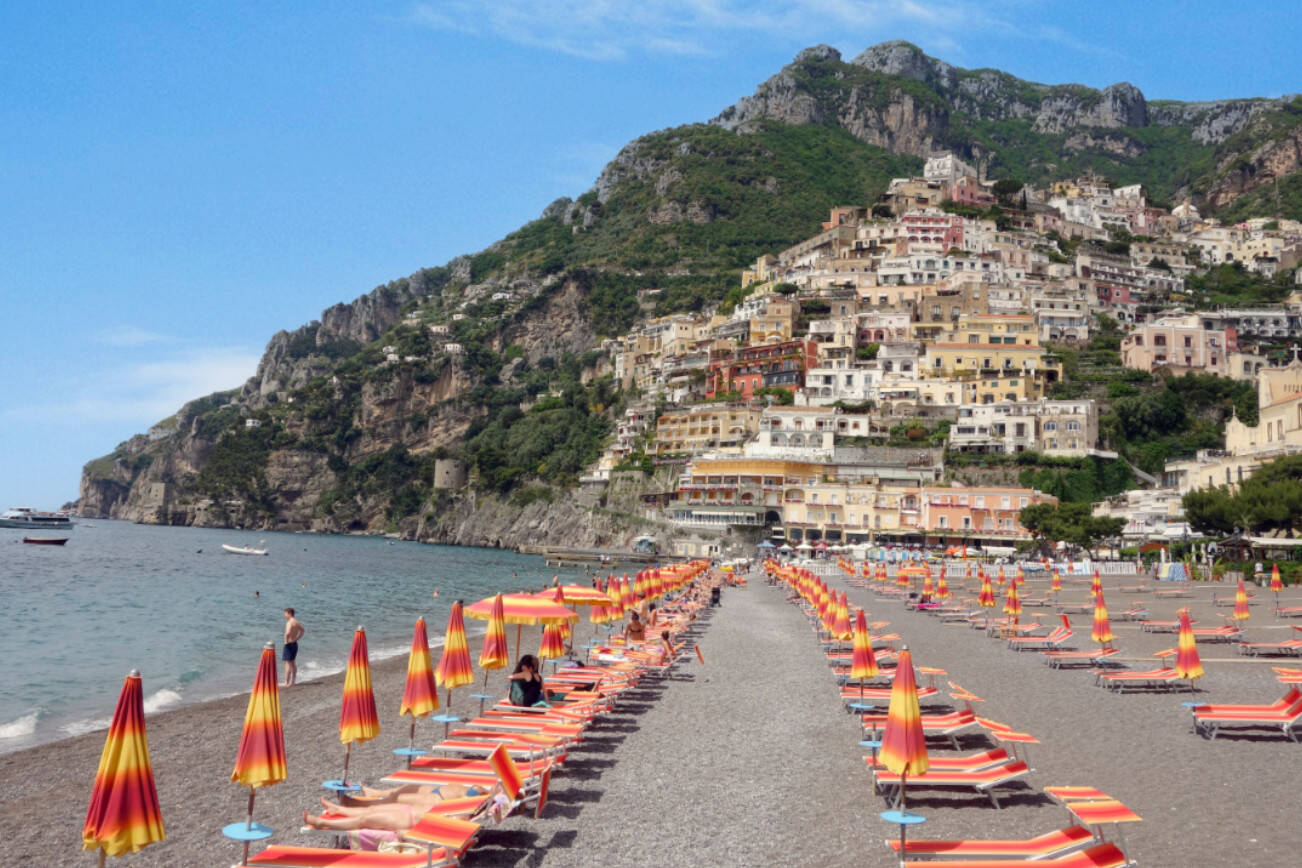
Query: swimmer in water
(436, 592)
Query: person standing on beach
(293, 632)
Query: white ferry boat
(28, 518)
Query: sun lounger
(1171, 592)
(284, 856)
(1007, 627)
(1285, 713)
(1287, 647)
(852, 694)
(933, 725)
(1147, 680)
(1218, 600)
(1056, 639)
(1050, 844)
(1161, 626)
(1289, 612)
(1071, 659)
(1134, 613)
(968, 762)
(985, 780)
(1134, 589)
(1218, 634)
(1074, 608)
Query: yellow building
(950, 359)
(774, 324)
(709, 426)
(993, 328)
(1277, 433)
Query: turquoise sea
(169, 602)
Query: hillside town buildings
(932, 315)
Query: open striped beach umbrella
(260, 760)
(553, 642)
(904, 746)
(358, 720)
(1241, 611)
(986, 599)
(123, 816)
(518, 609)
(1101, 632)
(1187, 664)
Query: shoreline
(192, 751)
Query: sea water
(193, 618)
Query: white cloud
(616, 29)
(146, 392)
(130, 336)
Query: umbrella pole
(411, 740)
(102, 855)
(348, 752)
(904, 780)
(252, 793)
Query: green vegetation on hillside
(1269, 500)
(1175, 418)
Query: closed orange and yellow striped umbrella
(927, 590)
(1096, 585)
(260, 760)
(986, 599)
(863, 665)
(494, 653)
(1013, 602)
(841, 625)
(942, 586)
(123, 816)
(1187, 663)
(1241, 611)
(454, 669)
(553, 642)
(358, 720)
(1101, 632)
(1056, 586)
(420, 696)
(999, 580)
(904, 747)
(1276, 583)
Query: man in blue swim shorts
(293, 632)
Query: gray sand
(749, 760)
(1204, 803)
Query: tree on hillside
(1268, 501)
(1072, 523)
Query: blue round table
(482, 697)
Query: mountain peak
(817, 52)
(898, 57)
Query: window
(1050, 426)
(1022, 502)
(979, 501)
(942, 521)
(1005, 502)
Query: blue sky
(180, 180)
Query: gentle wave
(161, 700)
(25, 725)
(81, 727)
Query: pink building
(967, 191)
(1179, 343)
(934, 227)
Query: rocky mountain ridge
(333, 433)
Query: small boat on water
(45, 540)
(26, 517)
(243, 550)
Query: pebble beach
(750, 758)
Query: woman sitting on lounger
(526, 683)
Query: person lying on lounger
(403, 808)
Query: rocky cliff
(492, 360)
